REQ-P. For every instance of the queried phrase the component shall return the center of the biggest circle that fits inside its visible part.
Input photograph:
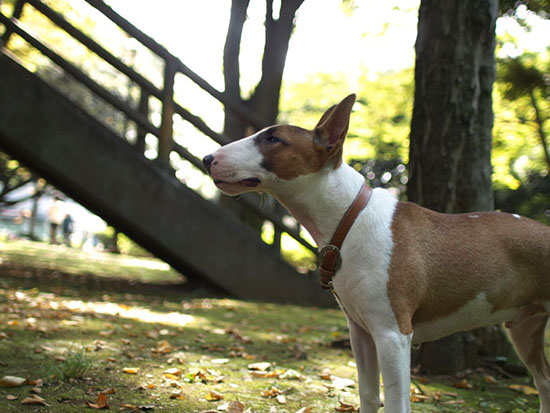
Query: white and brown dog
(404, 274)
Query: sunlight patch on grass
(135, 313)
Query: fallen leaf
(526, 390)
(152, 334)
(12, 381)
(214, 396)
(259, 366)
(258, 374)
(220, 361)
(305, 410)
(325, 374)
(231, 407)
(177, 395)
(131, 370)
(281, 399)
(272, 392)
(463, 385)
(451, 402)
(172, 372)
(235, 407)
(11, 397)
(346, 407)
(37, 382)
(34, 399)
(489, 379)
(419, 398)
(163, 347)
(340, 382)
(36, 390)
(100, 403)
(290, 375)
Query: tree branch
(540, 126)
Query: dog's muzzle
(207, 162)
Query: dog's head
(281, 153)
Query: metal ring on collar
(333, 248)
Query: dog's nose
(207, 161)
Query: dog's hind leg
(527, 333)
(368, 371)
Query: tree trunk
(265, 99)
(233, 125)
(34, 213)
(539, 120)
(450, 141)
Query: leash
(329, 257)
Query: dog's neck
(319, 201)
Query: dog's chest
(362, 281)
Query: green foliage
(541, 7)
(522, 127)
(13, 175)
(380, 121)
(74, 365)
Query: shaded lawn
(78, 332)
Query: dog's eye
(272, 139)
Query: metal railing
(141, 114)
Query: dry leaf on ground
(281, 399)
(463, 385)
(526, 390)
(34, 399)
(231, 407)
(12, 381)
(172, 372)
(178, 394)
(263, 366)
(272, 392)
(100, 403)
(346, 407)
(214, 396)
(489, 379)
(131, 370)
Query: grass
(77, 325)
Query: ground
(85, 331)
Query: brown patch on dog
(290, 151)
(440, 262)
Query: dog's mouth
(248, 182)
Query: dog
(403, 274)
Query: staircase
(113, 173)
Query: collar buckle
(333, 257)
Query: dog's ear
(333, 125)
(325, 116)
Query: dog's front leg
(394, 356)
(366, 359)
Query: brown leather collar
(329, 256)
